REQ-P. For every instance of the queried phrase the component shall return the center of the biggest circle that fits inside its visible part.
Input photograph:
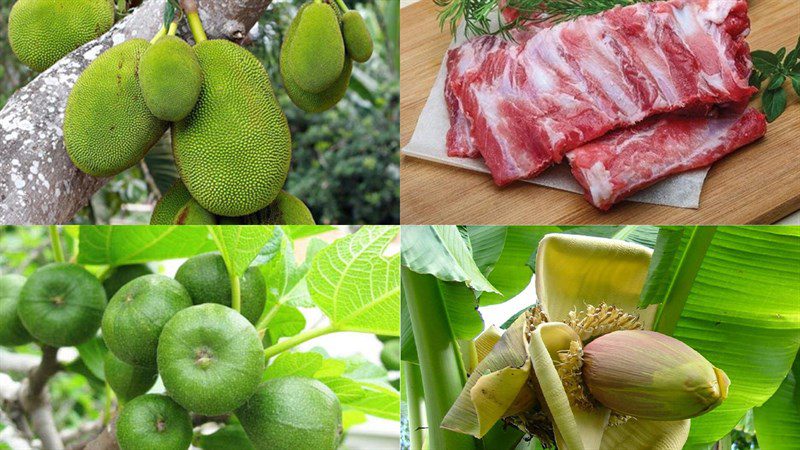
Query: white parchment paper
(428, 142)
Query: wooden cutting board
(756, 184)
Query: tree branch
(35, 399)
(38, 182)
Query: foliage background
(345, 163)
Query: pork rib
(627, 160)
(526, 104)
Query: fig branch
(294, 341)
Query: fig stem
(296, 340)
(236, 291)
(55, 241)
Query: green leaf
(230, 436)
(778, 420)
(294, 364)
(282, 273)
(346, 389)
(287, 321)
(122, 244)
(741, 314)
(377, 403)
(511, 273)
(776, 82)
(773, 103)
(487, 245)
(796, 83)
(462, 309)
(756, 79)
(780, 54)
(440, 251)
(239, 245)
(355, 285)
(791, 58)
(92, 353)
(766, 62)
(302, 231)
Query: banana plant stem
(294, 341)
(442, 372)
(55, 241)
(415, 395)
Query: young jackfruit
(357, 40)
(233, 150)
(170, 77)
(107, 125)
(316, 56)
(43, 31)
(177, 207)
(305, 100)
(285, 210)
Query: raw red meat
(627, 160)
(522, 106)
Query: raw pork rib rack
(523, 104)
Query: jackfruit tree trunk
(38, 182)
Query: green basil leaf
(776, 82)
(796, 83)
(780, 54)
(791, 58)
(756, 79)
(773, 103)
(766, 62)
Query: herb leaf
(773, 102)
(765, 62)
(776, 82)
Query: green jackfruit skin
(194, 214)
(128, 381)
(292, 413)
(43, 31)
(154, 422)
(62, 304)
(170, 77)
(12, 332)
(305, 100)
(206, 279)
(168, 206)
(107, 125)
(210, 359)
(137, 313)
(357, 39)
(316, 57)
(285, 210)
(233, 151)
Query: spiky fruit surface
(650, 375)
(233, 150)
(154, 422)
(171, 78)
(316, 56)
(206, 279)
(357, 39)
(194, 214)
(43, 31)
(62, 304)
(12, 332)
(285, 210)
(107, 125)
(128, 381)
(170, 203)
(120, 276)
(292, 414)
(305, 100)
(136, 315)
(210, 359)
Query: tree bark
(38, 182)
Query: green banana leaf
(778, 420)
(741, 313)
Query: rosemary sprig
(477, 14)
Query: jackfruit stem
(196, 26)
(161, 33)
(173, 28)
(342, 6)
